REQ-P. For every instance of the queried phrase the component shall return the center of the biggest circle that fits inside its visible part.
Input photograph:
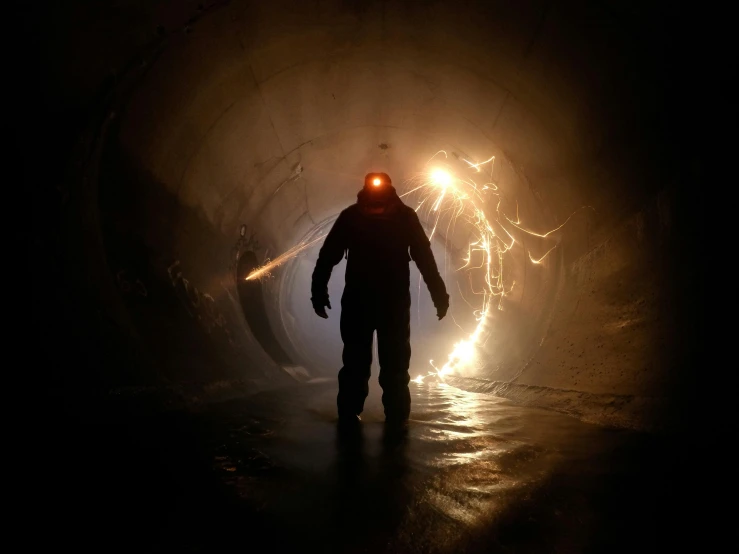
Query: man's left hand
(319, 306)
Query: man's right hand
(319, 306)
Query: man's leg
(394, 352)
(357, 329)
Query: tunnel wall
(607, 352)
(202, 122)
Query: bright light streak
(444, 197)
(477, 166)
(545, 235)
(544, 256)
(282, 258)
(441, 178)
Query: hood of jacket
(379, 202)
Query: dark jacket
(379, 244)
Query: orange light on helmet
(377, 181)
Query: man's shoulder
(407, 211)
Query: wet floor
(473, 473)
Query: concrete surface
(271, 471)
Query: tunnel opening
(314, 128)
(251, 297)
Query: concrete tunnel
(199, 140)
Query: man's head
(377, 192)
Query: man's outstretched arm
(420, 250)
(331, 253)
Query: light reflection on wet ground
(465, 463)
(473, 473)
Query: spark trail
(263, 270)
(445, 198)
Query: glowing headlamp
(377, 181)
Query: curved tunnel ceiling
(249, 125)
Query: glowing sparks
(441, 178)
(445, 197)
(477, 166)
(544, 235)
(282, 258)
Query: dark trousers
(361, 316)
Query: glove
(320, 305)
(441, 310)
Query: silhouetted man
(379, 235)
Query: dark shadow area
(178, 315)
